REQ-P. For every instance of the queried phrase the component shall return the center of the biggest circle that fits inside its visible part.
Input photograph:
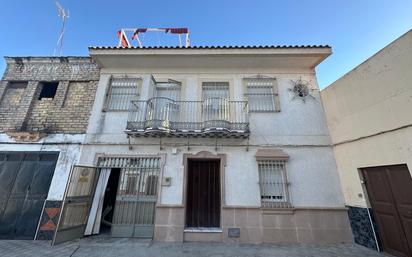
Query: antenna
(62, 13)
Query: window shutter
(108, 90)
(276, 95)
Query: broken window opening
(48, 90)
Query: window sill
(115, 110)
(203, 230)
(273, 111)
(274, 210)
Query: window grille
(126, 162)
(261, 94)
(273, 184)
(215, 90)
(122, 92)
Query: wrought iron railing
(211, 116)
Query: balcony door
(164, 104)
(215, 109)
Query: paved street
(100, 247)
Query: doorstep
(202, 235)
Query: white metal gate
(134, 209)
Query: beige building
(369, 118)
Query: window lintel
(271, 155)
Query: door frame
(204, 155)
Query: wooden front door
(390, 194)
(203, 194)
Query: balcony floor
(215, 133)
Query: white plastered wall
(68, 147)
(305, 168)
(299, 129)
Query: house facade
(210, 144)
(45, 103)
(368, 115)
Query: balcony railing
(211, 117)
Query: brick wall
(10, 103)
(67, 112)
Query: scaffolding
(125, 35)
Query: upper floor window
(261, 93)
(121, 92)
(48, 89)
(215, 90)
(170, 90)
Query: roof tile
(210, 47)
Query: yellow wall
(369, 115)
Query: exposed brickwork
(10, 103)
(67, 112)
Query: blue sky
(356, 29)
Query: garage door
(390, 194)
(24, 183)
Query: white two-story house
(208, 144)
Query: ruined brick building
(45, 104)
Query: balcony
(213, 117)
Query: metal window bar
(122, 92)
(215, 90)
(273, 184)
(260, 95)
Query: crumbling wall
(67, 111)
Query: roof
(211, 47)
(47, 59)
(213, 57)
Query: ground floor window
(273, 183)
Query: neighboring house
(45, 103)
(369, 117)
(208, 144)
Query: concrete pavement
(102, 247)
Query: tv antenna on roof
(64, 15)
